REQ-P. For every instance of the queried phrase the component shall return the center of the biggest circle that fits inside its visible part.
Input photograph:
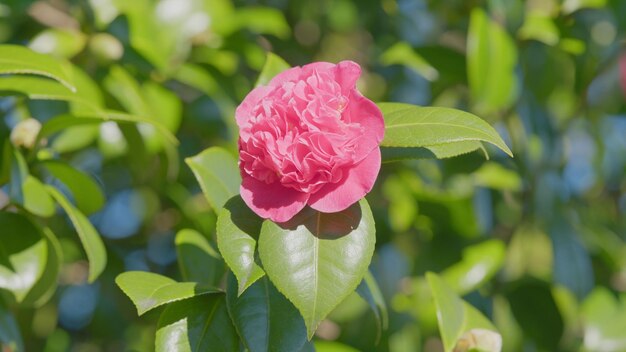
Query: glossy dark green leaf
(410, 126)
(274, 65)
(23, 254)
(16, 59)
(197, 259)
(9, 331)
(317, 259)
(237, 230)
(195, 325)
(148, 290)
(460, 324)
(547, 334)
(218, 175)
(264, 318)
(86, 192)
(89, 237)
(368, 289)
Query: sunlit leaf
(16, 59)
(604, 320)
(218, 175)
(45, 287)
(306, 258)
(491, 61)
(263, 20)
(462, 327)
(402, 54)
(570, 6)
(149, 290)
(197, 259)
(264, 318)
(495, 176)
(89, 237)
(86, 193)
(479, 264)
(333, 346)
(61, 43)
(23, 254)
(237, 230)
(410, 126)
(196, 324)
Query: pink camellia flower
(308, 138)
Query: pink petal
(359, 181)
(243, 113)
(347, 74)
(369, 116)
(273, 201)
(290, 75)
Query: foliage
(119, 183)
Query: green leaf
(274, 65)
(368, 289)
(61, 43)
(494, 175)
(332, 346)
(237, 230)
(306, 258)
(604, 318)
(480, 263)
(23, 254)
(87, 194)
(197, 259)
(264, 318)
(570, 6)
(89, 237)
(410, 126)
(36, 199)
(218, 175)
(45, 287)
(460, 324)
(491, 61)
(59, 123)
(263, 20)
(391, 154)
(9, 331)
(16, 59)
(196, 324)
(149, 290)
(539, 26)
(402, 54)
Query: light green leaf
(44, 89)
(480, 263)
(195, 325)
(36, 199)
(61, 43)
(45, 287)
(409, 126)
(494, 175)
(332, 346)
(368, 289)
(87, 194)
(16, 59)
(443, 151)
(237, 230)
(218, 175)
(460, 324)
(306, 258)
(402, 54)
(197, 259)
(23, 254)
(264, 318)
(9, 330)
(605, 321)
(263, 20)
(491, 61)
(64, 121)
(539, 26)
(149, 290)
(570, 6)
(274, 65)
(89, 237)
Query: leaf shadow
(326, 226)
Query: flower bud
(479, 339)
(25, 133)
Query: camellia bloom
(308, 138)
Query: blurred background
(537, 242)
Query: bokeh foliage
(535, 243)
